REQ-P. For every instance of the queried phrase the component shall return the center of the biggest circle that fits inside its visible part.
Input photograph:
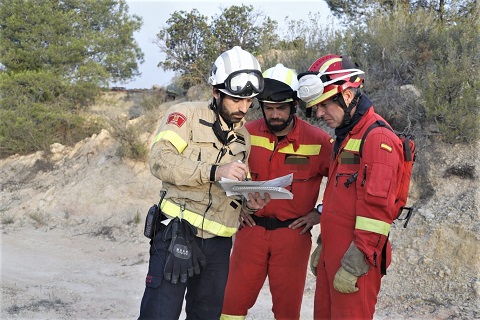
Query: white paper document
(274, 187)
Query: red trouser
(337, 234)
(283, 255)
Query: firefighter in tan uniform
(197, 145)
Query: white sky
(155, 13)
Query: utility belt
(271, 223)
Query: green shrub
(37, 109)
(451, 101)
(152, 99)
(128, 135)
(34, 127)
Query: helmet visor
(244, 82)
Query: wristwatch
(319, 208)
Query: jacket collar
(356, 129)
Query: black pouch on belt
(153, 217)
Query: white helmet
(237, 73)
(281, 85)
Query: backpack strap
(383, 265)
(378, 123)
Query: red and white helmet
(327, 76)
(237, 73)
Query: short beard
(279, 127)
(227, 117)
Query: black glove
(180, 254)
(185, 257)
(198, 258)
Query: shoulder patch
(176, 118)
(385, 146)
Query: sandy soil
(64, 272)
(57, 273)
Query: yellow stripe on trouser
(372, 225)
(173, 210)
(229, 317)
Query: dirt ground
(79, 272)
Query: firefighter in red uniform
(360, 192)
(275, 241)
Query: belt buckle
(270, 223)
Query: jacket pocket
(378, 185)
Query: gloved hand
(353, 266)
(198, 259)
(315, 256)
(179, 257)
(345, 282)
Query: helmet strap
(308, 112)
(347, 110)
(215, 105)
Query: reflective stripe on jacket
(184, 150)
(305, 152)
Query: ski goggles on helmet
(243, 83)
(276, 91)
(312, 84)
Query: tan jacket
(185, 149)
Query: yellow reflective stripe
(172, 137)
(353, 145)
(229, 317)
(303, 149)
(322, 97)
(372, 225)
(289, 77)
(329, 62)
(173, 210)
(262, 142)
(358, 80)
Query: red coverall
(360, 211)
(283, 253)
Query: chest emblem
(296, 159)
(348, 158)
